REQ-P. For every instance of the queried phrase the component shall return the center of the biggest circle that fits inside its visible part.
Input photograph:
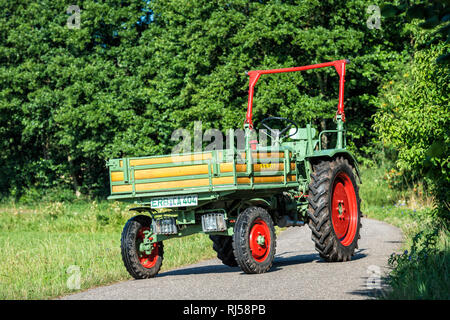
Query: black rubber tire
(241, 240)
(129, 249)
(223, 245)
(326, 242)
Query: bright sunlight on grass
(43, 246)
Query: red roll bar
(339, 65)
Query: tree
(433, 14)
(137, 70)
(204, 48)
(414, 119)
(65, 92)
(414, 112)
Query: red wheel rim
(147, 260)
(344, 209)
(260, 240)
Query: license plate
(174, 201)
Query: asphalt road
(297, 273)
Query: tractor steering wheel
(279, 135)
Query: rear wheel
(254, 240)
(140, 264)
(334, 210)
(223, 245)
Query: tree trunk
(73, 175)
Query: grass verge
(422, 270)
(47, 248)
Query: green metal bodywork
(284, 197)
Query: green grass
(40, 243)
(35, 265)
(422, 270)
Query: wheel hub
(341, 210)
(147, 251)
(259, 240)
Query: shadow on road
(280, 261)
(372, 292)
(200, 270)
(358, 255)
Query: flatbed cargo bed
(210, 174)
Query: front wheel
(334, 210)
(140, 264)
(254, 240)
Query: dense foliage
(66, 96)
(414, 115)
(433, 14)
(414, 119)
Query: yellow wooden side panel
(268, 179)
(260, 167)
(170, 172)
(171, 159)
(265, 155)
(198, 169)
(199, 157)
(173, 184)
(199, 183)
(117, 176)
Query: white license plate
(174, 201)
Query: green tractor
(238, 195)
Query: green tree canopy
(414, 119)
(137, 70)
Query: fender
(332, 153)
